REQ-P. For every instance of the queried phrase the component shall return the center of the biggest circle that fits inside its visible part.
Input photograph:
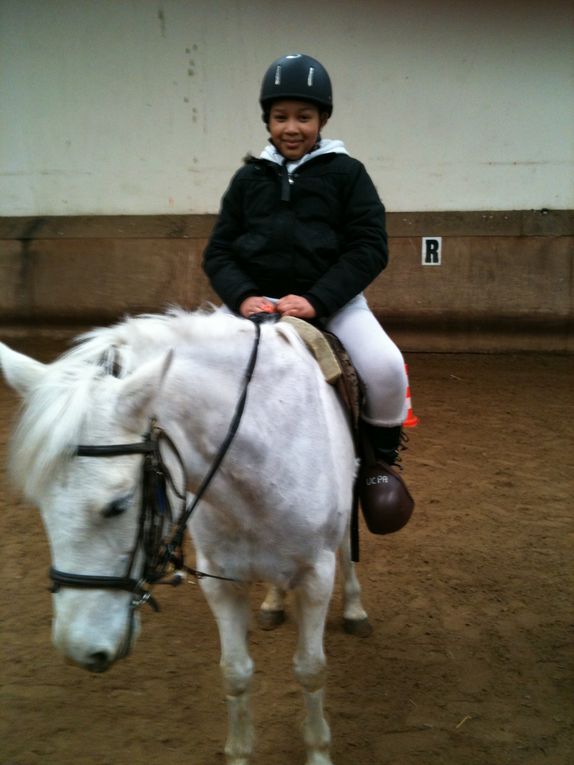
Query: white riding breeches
(376, 358)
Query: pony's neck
(206, 384)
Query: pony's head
(89, 506)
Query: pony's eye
(117, 507)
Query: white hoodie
(326, 146)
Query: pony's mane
(137, 338)
(54, 414)
(50, 425)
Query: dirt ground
(470, 662)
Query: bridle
(162, 555)
(155, 512)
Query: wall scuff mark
(161, 17)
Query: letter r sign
(431, 250)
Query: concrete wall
(144, 108)
(148, 106)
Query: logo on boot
(373, 480)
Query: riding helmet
(299, 77)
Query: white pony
(276, 510)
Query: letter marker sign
(431, 250)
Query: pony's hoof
(270, 620)
(358, 627)
(319, 758)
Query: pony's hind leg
(230, 606)
(355, 618)
(272, 611)
(312, 600)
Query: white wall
(134, 106)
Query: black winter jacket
(319, 233)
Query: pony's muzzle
(99, 661)
(97, 658)
(96, 644)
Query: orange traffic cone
(411, 420)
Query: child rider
(301, 231)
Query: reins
(177, 538)
(155, 510)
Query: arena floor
(470, 662)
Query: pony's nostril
(98, 662)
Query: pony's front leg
(355, 618)
(312, 599)
(230, 605)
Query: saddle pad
(319, 346)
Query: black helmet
(296, 76)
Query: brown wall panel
(496, 289)
(501, 277)
(100, 279)
(465, 223)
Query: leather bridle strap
(115, 450)
(91, 581)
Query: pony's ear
(20, 372)
(139, 391)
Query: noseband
(161, 555)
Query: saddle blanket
(319, 346)
(335, 364)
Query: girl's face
(295, 127)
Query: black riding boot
(385, 443)
(386, 502)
